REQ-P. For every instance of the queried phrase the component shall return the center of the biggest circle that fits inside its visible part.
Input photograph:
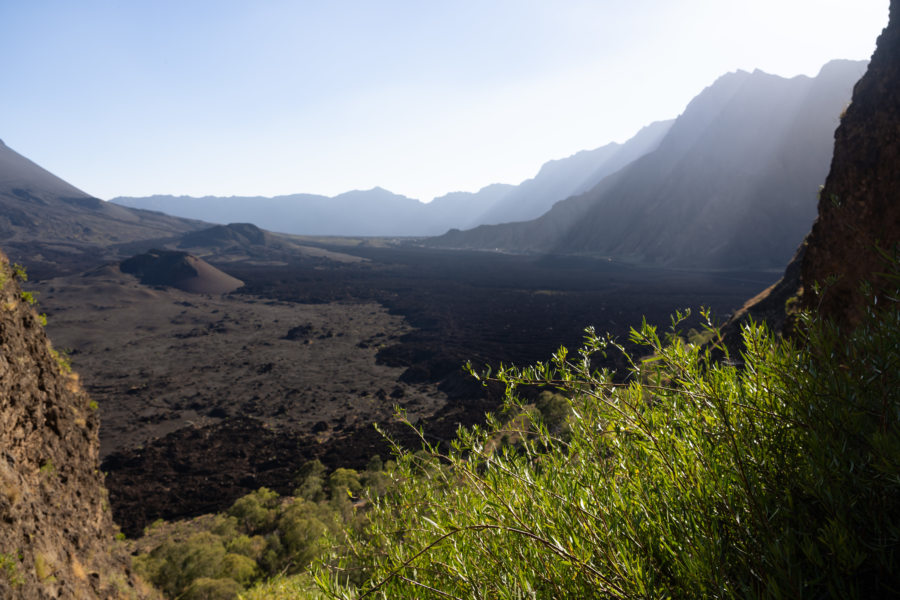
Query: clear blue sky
(422, 97)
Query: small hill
(56, 528)
(247, 243)
(222, 236)
(179, 270)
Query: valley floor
(205, 398)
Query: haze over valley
(278, 340)
(179, 326)
(731, 183)
(378, 212)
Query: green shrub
(554, 409)
(303, 529)
(376, 483)
(62, 360)
(692, 479)
(206, 588)
(245, 545)
(311, 481)
(261, 535)
(29, 297)
(9, 569)
(344, 483)
(18, 272)
(226, 526)
(174, 565)
(256, 511)
(239, 568)
(293, 587)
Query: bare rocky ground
(158, 360)
(204, 398)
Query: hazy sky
(422, 97)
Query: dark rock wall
(859, 207)
(858, 210)
(57, 537)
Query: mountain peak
(839, 66)
(17, 172)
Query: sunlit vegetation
(262, 538)
(775, 473)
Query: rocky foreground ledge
(57, 537)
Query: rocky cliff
(57, 537)
(859, 207)
(858, 223)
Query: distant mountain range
(373, 212)
(559, 179)
(732, 184)
(378, 212)
(54, 228)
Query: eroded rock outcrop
(57, 537)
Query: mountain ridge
(379, 212)
(50, 225)
(731, 185)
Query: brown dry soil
(204, 398)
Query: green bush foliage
(263, 535)
(174, 565)
(344, 483)
(311, 480)
(205, 588)
(256, 511)
(291, 587)
(775, 473)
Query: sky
(421, 97)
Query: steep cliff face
(859, 207)
(56, 530)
